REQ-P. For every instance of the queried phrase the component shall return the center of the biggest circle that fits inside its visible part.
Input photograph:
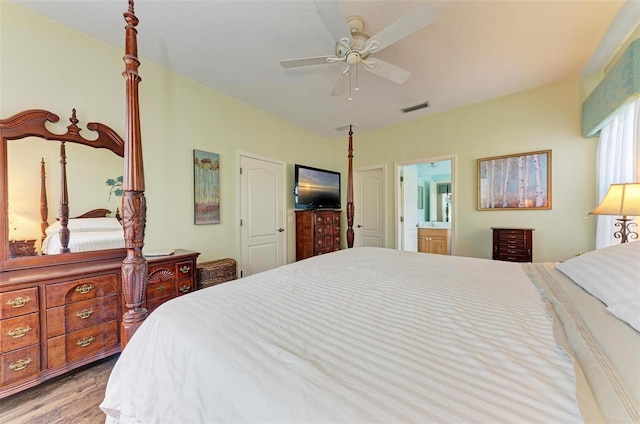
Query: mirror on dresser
(33, 176)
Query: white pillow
(87, 224)
(612, 274)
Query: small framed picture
(206, 187)
(515, 182)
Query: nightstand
(513, 244)
(19, 248)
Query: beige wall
(50, 66)
(544, 118)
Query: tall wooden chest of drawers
(317, 232)
(513, 244)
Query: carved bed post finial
(134, 266)
(350, 209)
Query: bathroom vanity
(433, 240)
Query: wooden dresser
(433, 240)
(57, 318)
(317, 232)
(513, 244)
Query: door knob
(359, 226)
(280, 230)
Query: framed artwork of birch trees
(206, 187)
(515, 182)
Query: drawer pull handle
(20, 364)
(18, 332)
(84, 289)
(512, 251)
(185, 269)
(19, 302)
(85, 341)
(185, 288)
(85, 313)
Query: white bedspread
(82, 241)
(360, 335)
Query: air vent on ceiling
(416, 107)
(346, 127)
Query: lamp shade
(621, 199)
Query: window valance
(620, 86)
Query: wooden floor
(72, 399)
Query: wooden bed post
(63, 208)
(44, 206)
(350, 209)
(134, 266)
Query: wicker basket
(216, 272)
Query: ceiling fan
(354, 47)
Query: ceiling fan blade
(341, 83)
(388, 71)
(307, 61)
(333, 19)
(408, 24)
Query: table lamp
(624, 200)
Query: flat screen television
(316, 188)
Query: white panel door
(262, 215)
(369, 207)
(410, 208)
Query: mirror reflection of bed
(34, 186)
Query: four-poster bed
(370, 334)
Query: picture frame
(206, 187)
(519, 181)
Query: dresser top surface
(513, 228)
(79, 269)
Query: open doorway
(425, 205)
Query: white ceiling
(475, 50)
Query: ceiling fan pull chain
(357, 82)
(350, 75)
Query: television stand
(317, 232)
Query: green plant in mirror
(116, 186)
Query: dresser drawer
(82, 289)
(184, 269)
(512, 257)
(512, 249)
(19, 302)
(512, 235)
(79, 315)
(184, 286)
(19, 364)
(81, 343)
(158, 293)
(321, 230)
(19, 332)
